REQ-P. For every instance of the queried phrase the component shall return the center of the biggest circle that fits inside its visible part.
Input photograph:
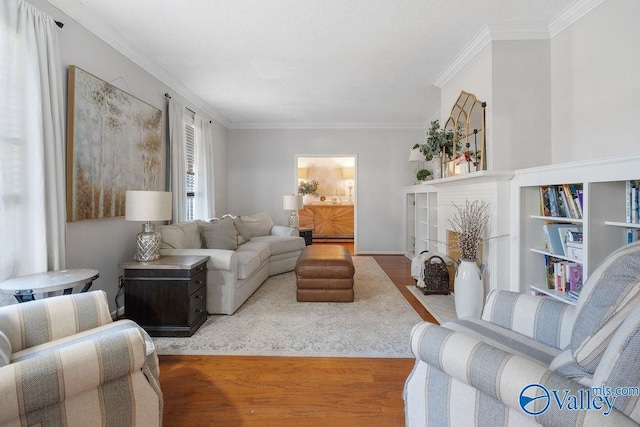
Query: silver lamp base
(293, 219)
(148, 244)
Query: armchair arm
(49, 378)
(37, 322)
(541, 318)
(504, 376)
(280, 230)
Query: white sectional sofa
(243, 252)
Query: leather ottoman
(324, 274)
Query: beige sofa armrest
(219, 259)
(280, 230)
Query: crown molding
(571, 14)
(515, 31)
(307, 126)
(89, 21)
(477, 43)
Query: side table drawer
(196, 282)
(198, 305)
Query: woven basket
(436, 276)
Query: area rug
(272, 323)
(442, 307)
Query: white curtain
(178, 161)
(205, 206)
(32, 184)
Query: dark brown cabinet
(167, 297)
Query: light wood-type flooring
(290, 391)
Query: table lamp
(349, 173)
(148, 206)
(292, 203)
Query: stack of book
(631, 198)
(564, 240)
(562, 201)
(563, 276)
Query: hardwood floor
(290, 391)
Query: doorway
(329, 187)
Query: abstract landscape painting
(114, 144)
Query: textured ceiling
(297, 63)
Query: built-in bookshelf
(430, 206)
(410, 225)
(603, 222)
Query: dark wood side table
(307, 234)
(167, 297)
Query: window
(190, 143)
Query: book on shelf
(562, 201)
(554, 235)
(632, 197)
(564, 231)
(633, 235)
(574, 250)
(545, 206)
(563, 276)
(553, 202)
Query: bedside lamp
(292, 203)
(148, 206)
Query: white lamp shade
(348, 173)
(292, 202)
(148, 206)
(415, 155)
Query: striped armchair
(531, 360)
(63, 361)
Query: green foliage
(423, 174)
(308, 187)
(437, 139)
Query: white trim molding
(571, 14)
(114, 39)
(515, 31)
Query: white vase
(436, 167)
(468, 289)
(307, 199)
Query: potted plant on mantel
(437, 140)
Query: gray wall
(103, 244)
(262, 168)
(595, 89)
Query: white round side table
(23, 288)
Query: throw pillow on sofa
(219, 234)
(184, 235)
(259, 224)
(243, 234)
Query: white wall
(595, 84)
(103, 244)
(512, 77)
(262, 169)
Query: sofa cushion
(242, 229)
(259, 224)
(248, 263)
(282, 244)
(261, 248)
(219, 234)
(607, 296)
(184, 235)
(5, 350)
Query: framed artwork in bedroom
(114, 144)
